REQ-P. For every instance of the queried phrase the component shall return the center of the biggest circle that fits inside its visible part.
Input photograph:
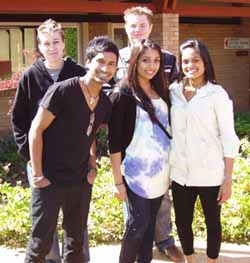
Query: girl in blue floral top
(139, 148)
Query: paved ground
(230, 253)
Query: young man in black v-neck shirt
(60, 140)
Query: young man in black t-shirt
(63, 162)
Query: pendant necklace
(92, 99)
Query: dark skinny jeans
(184, 198)
(138, 239)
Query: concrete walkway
(230, 253)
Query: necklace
(92, 99)
(189, 85)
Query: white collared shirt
(123, 63)
(203, 134)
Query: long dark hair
(158, 82)
(200, 48)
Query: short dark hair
(200, 48)
(100, 44)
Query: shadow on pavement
(200, 257)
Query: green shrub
(236, 212)
(102, 142)
(14, 214)
(105, 219)
(71, 43)
(245, 147)
(242, 124)
(11, 163)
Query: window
(119, 35)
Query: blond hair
(139, 10)
(49, 26)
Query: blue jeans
(138, 238)
(54, 253)
(163, 227)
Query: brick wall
(5, 97)
(166, 31)
(231, 71)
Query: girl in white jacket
(203, 147)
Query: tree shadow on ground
(200, 257)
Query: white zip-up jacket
(203, 134)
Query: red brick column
(166, 31)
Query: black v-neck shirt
(66, 145)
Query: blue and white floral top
(145, 166)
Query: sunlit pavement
(230, 253)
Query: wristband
(38, 179)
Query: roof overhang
(195, 8)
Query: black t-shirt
(66, 144)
